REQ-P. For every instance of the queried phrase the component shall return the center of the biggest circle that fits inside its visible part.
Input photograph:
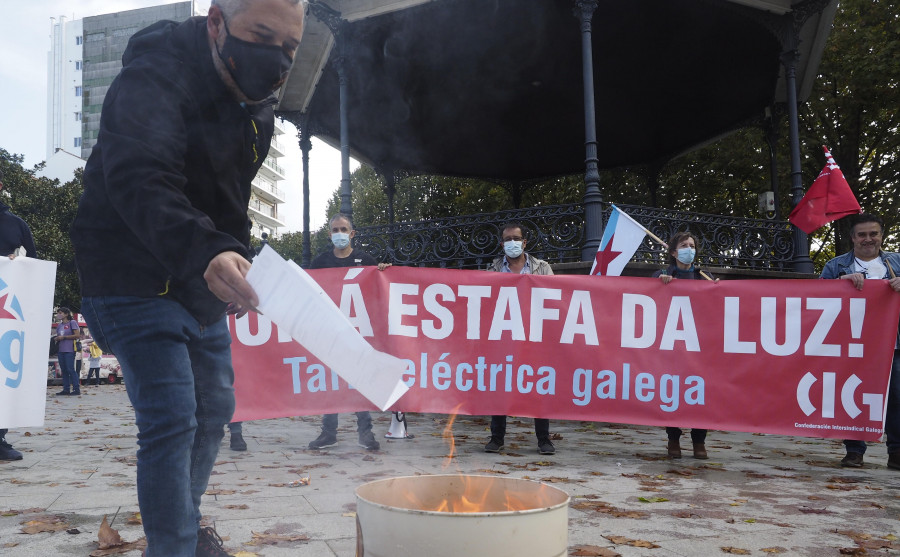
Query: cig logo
(12, 336)
(875, 401)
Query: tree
(854, 111)
(49, 209)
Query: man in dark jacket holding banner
(867, 262)
(161, 233)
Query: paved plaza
(756, 495)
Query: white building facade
(86, 55)
(64, 86)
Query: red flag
(828, 198)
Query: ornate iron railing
(556, 233)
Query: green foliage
(49, 209)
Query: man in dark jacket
(14, 234)
(161, 233)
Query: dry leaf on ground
(735, 550)
(45, 523)
(269, 538)
(592, 551)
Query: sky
(25, 42)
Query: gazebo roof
(493, 88)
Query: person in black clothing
(343, 255)
(14, 234)
(161, 238)
(682, 250)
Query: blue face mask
(512, 248)
(686, 255)
(340, 240)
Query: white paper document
(297, 304)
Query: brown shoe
(700, 451)
(674, 448)
(852, 460)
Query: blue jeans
(179, 379)
(891, 419)
(70, 377)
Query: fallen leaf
(652, 499)
(45, 523)
(735, 550)
(592, 551)
(622, 540)
(852, 551)
(108, 537)
(270, 538)
(134, 519)
(808, 510)
(237, 507)
(773, 550)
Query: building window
(78, 90)
(77, 142)
(78, 39)
(77, 64)
(78, 117)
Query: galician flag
(829, 198)
(621, 239)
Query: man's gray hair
(233, 7)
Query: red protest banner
(797, 357)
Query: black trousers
(697, 435)
(498, 427)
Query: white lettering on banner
(507, 303)
(352, 299)
(397, 309)
(609, 387)
(875, 401)
(790, 321)
(580, 306)
(474, 294)
(630, 338)
(444, 315)
(482, 376)
(732, 324)
(815, 344)
(507, 313)
(541, 313)
(248, 338)
(679, 312)
(768, 326)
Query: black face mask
(258, 69)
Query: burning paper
(298, 305)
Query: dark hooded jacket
(167, 185)
(14, 233)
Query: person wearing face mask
(343, 255)
(682, 250)
(515, 260)
(161, 238)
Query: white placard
(26, 311)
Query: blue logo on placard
(12, 336)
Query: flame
(478, 494)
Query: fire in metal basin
(460, 516)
